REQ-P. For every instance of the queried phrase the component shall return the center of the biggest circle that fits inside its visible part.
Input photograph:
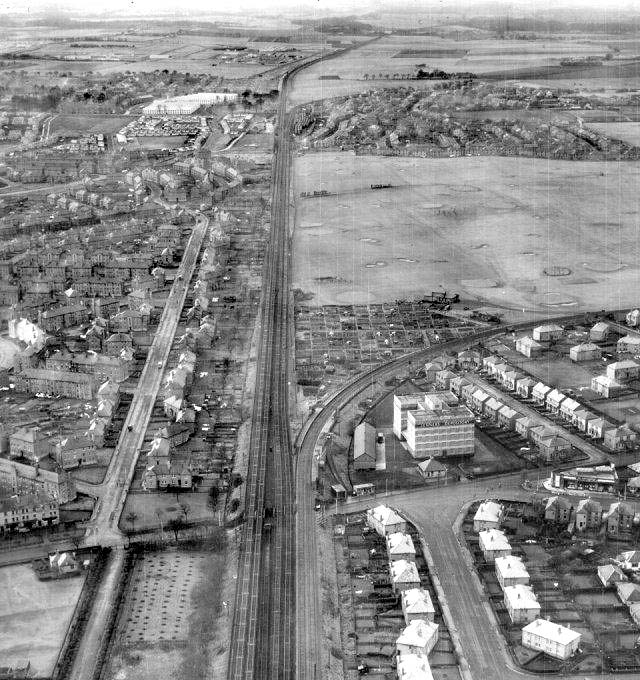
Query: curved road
(310, 637)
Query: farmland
(485, 227)
(393, 54)
(34, 616)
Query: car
(129, 427)
(159, 364)
(179, 277)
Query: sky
(208, 7)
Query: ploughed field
(517, 232)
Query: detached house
(400, 547)
(619, 518)
(404, 575)
(384, 520)
(417, 604)
(418, 638)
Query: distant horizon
(207, 9)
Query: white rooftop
(413, 667)
(521, 597)
(385, 515)
(418, 633)
(403, 571)
(417, 601)
(488, 511)
(493, 539)
(552, 631)
(399, 543)
(511, 567)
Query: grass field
(627, 132)
(485, 227)
(34, 616)
(388, 56)
(73, 125)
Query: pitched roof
(552, 631)
(418, 633)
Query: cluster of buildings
(188, 104)
(558, 404)
(404, 120)
(206, 180)
(589, 516)
(153, 128)
(434, 425)
(519, 598)
(420, 634)
(20, 126)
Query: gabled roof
(628, 592)
(431, 465)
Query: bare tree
(131, 518)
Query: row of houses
(614, 438)
(589, 515)
(420, 635)
(519, 598)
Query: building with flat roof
(402, 404)
(437, 429)
(551, 638)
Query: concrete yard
(34, 616)
(488, 228)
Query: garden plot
(167, 626)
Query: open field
(485, 227)
(73, 125)
(393, 54)
(34, 616)
(627, 132)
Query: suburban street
(434, 512)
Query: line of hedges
(81, 615)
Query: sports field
(513, 232)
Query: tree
(176, 524)
(131, 518)
(185, 509)
(212, 499)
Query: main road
(103, 528)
